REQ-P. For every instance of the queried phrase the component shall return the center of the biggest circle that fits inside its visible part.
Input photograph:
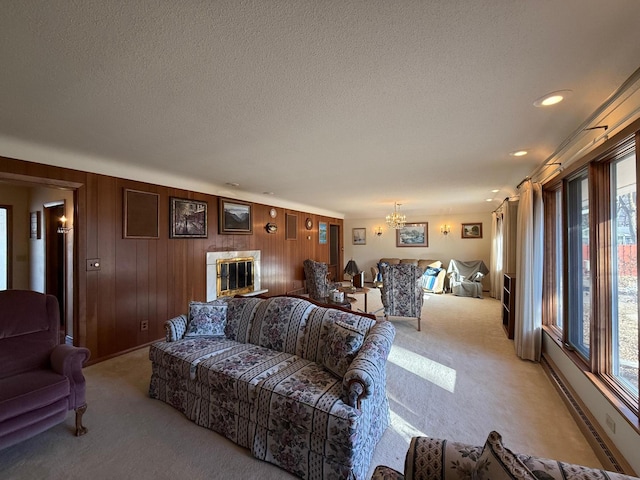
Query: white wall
(625, 438)
(18, 197)
(441, 247)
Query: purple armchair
(40, 380)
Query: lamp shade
(351, 268)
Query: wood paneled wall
(154, 279)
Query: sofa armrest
(367, 371)
(68, 360)
(175, 328)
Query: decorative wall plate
(271, 228)
(308, 224)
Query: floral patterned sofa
(300, 385)
(437, 459)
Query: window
(591, 288)
(623, 342)
(579, 268)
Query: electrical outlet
(144, 325)
(611, 424)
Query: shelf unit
(508, 303)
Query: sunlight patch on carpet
(404, 428)
(434, 372)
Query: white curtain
(530, 235)
(496, 263)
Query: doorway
(55, 259)
(335, 250)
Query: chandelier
(396, 220)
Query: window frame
(598, 367)
(9, 210)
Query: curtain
(495, 262)
(530, 236)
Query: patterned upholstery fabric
(316, 275)
(264, 385)
(401, 291)
(438, 459)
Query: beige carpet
(458, 378)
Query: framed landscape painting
(413, 235)
(322, 232)
(359, 236)
(472, 230)
(235, 217)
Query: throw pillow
(497, 462)
(342, 345)
(206, 319)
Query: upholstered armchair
(401, 290)
(465, 278)
(40, 380)
(316, 274)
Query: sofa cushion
(237, 371)
(317, 330)
(29, 391)
(240, 314)
(26, 352)
(498, 462)
(279, 323)
(184, 356)
(308, 398)
(206, 319)
(342, 345)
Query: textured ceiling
(343, 106)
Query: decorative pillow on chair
(497, 462)
(206, 319)
(342, 345)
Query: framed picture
(322, 232)
(235, 217)
(187, 218)
(35, 226)
(141, 214)
(359, 236)
(472, 230)
(291, 227)
(413, 235)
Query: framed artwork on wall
(413, 235)
(472, 230)
(322, 232)
(359, 236)
(140, 214)
(187, 218)
(235, 217)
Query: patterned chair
(401, 290)
(317, 284)
(441, 459)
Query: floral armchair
(316, 276)
(401, 290)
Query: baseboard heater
(605, 450)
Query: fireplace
(233, 273)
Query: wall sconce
(63, 226)
(377, 231)
(445, 230)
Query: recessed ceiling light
(519, 153)
(552, 98)
(489, 200)
(232, 184)
(495, 191)
(267, 193)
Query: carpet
(458, 378)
